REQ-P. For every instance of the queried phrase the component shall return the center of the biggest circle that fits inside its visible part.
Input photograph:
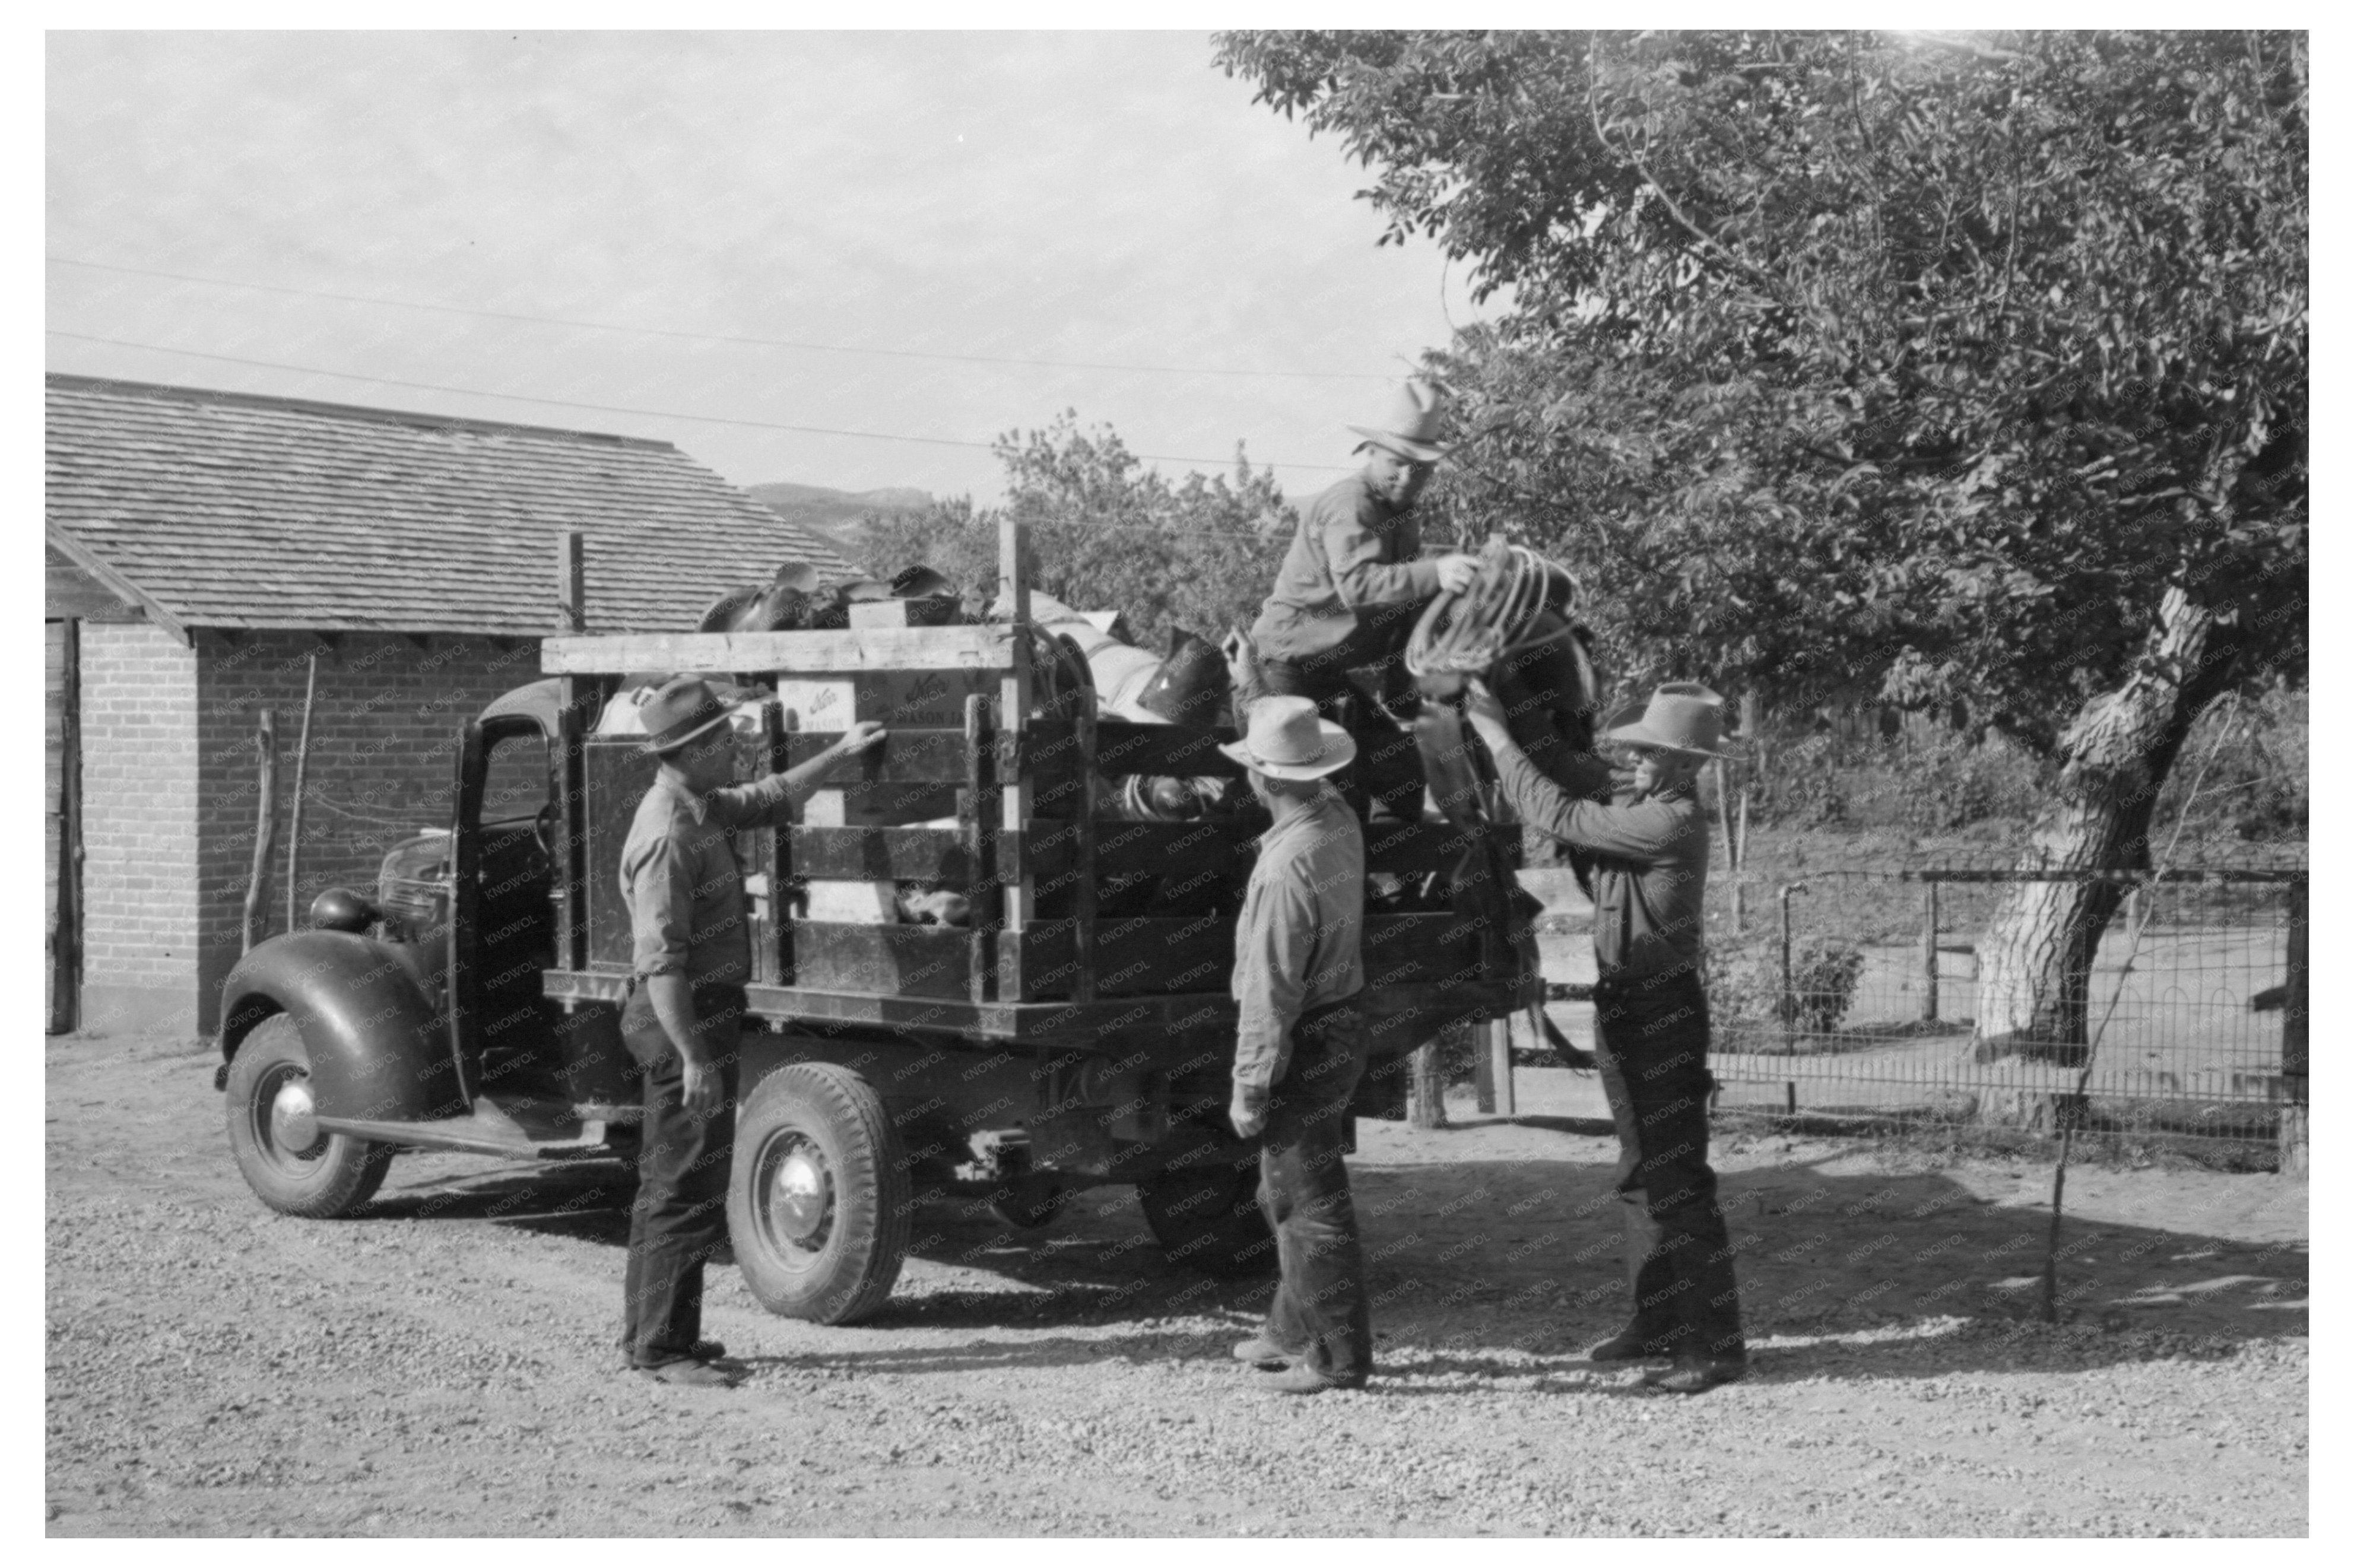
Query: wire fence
(1874, 995)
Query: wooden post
(1788, 1006)
(1740, 858)
(265, 832)
(1426, 1101)
(973, 805)
(1082, 848)
(1483, 1070)
(571, 729)
(1494, 1036)
(571, 584)
(65, 952)
(294, 815)
(2295, 1060)
(1929, 952)
(1014, 781)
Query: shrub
(1744, 983)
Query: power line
(725, 337)
(610, 407)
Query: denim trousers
(679, 1219)
(1320, 1312)
(1650, 1040)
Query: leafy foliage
(1108, 534)
(1908, 365)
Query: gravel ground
(442, 1365)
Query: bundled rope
(1463, 634)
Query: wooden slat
(1411, 849)
(1123, 745)
(883, 960)
(812, 653)
(1138, 956)
(878, 855)
(905, 755)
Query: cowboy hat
(1681, 715)
(1287, 740)
(683, 708)
(1411, 430)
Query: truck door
(502, 922)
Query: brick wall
(139, 830)
(382, 762)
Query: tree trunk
(2035, 963)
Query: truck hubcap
(800, 1196)
(293, 1119)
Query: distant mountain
(835, 514)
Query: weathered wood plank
(905, 755)
(883, 960)
(812, 653)
(1123, 745)
(874, 855)
(1138, 955)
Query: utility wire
(616, 408)
(725, 337)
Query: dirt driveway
(442, 1365)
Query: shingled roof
(222, 509)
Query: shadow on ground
(1508, 1268)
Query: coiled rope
(1465, 633)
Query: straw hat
(1683, 716)
(1287, 740)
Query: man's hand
(1457, 573)
(1248, 1112)
(704, 1091)
(1480, 706)
(860, 737)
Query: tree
(1944, 366)
(1108, 534)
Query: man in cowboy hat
(1354, 578)
(1651, 1019)
(1299, 1043)
(691, 954)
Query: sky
(1089, 199)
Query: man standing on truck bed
(1300, 1044)
(1354, 578)
(1651, 1019)
(692, 954)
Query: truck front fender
(378, 1049)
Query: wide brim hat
(684, 709)
(1680, 716)
(1286, 739)
(1412, 429)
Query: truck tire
(1209, 1219)
(818, 1205)
(289, 1162)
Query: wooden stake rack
(972, 792)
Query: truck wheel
(289, 1162)
(818, 1205)
(1210, 1220)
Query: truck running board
(476, 1134)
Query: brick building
(206, 547)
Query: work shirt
(1650, 866)
(1298, 944)
(683, 884)
(1349, 582)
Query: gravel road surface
(442, 1365)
